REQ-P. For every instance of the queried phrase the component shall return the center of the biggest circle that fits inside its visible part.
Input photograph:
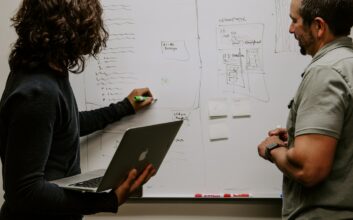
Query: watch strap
(268, 150)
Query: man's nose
(291, 28)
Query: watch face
(272, 145)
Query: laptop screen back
(139, 147)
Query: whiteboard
(226, 67)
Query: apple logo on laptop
(143, 155)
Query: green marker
(140, 98)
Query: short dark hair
(338, 14)
(57, 33)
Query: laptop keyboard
(91, 183)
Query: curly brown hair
(57, 33)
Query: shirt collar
(337, 43)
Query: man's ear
(320, 27)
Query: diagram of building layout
(241, 52)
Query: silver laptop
(138, 147)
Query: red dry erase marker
(198, 195)
(241, 195)
(227, 195)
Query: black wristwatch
(268, 150)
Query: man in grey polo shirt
(315, 151)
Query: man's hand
(282, 133)
(269, 140)
(133, 182)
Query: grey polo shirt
(323, 105)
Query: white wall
(7, 36)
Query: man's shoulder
(336, 57)
(339, 60)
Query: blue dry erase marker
(140, 98)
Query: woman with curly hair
(40, 124)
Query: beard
(306, 41)
(303, 50)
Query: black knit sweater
(40, 127)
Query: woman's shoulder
(39, 84)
